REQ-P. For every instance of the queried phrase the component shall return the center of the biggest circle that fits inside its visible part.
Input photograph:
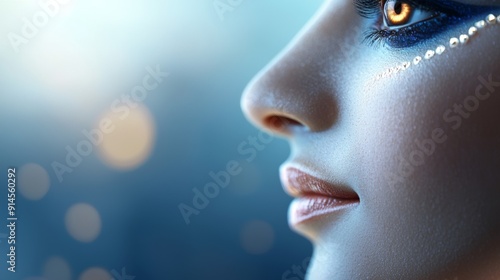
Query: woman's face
(398, 175)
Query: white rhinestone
(472, 31)
(491, 19)
(440, 49)
(480, 24)
(429, 54)
(453, 42)
(464, 39)
(406, 65)
(417, 60)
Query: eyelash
(447, 14)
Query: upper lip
(300, 184)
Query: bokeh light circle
(95, 273)
(83, 222)
(56, 268)
(131, 139)
(257, 237)
(33, 182)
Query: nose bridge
(300, 85)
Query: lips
(314, 197)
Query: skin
(439, 221)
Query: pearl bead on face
(464, 39)
(440, 49)
(472, 31)
(454, 42)
(491, 19)
(429, 54)
(417, 60)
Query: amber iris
(397, 12)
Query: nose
(299, 90)
(285, 98)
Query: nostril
(280, 123)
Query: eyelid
(372, 8)
(418, 15)
(432, 6)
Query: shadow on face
(420, 147)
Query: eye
(406, 23)
(399, 14)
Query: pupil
(398, 7)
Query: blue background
(65, 79)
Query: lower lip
(309, 208)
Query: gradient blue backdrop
(66, 77)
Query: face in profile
(392, 112)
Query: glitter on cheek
(454, 42)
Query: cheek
(429, 153)
(427, 184)
(433, 127)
